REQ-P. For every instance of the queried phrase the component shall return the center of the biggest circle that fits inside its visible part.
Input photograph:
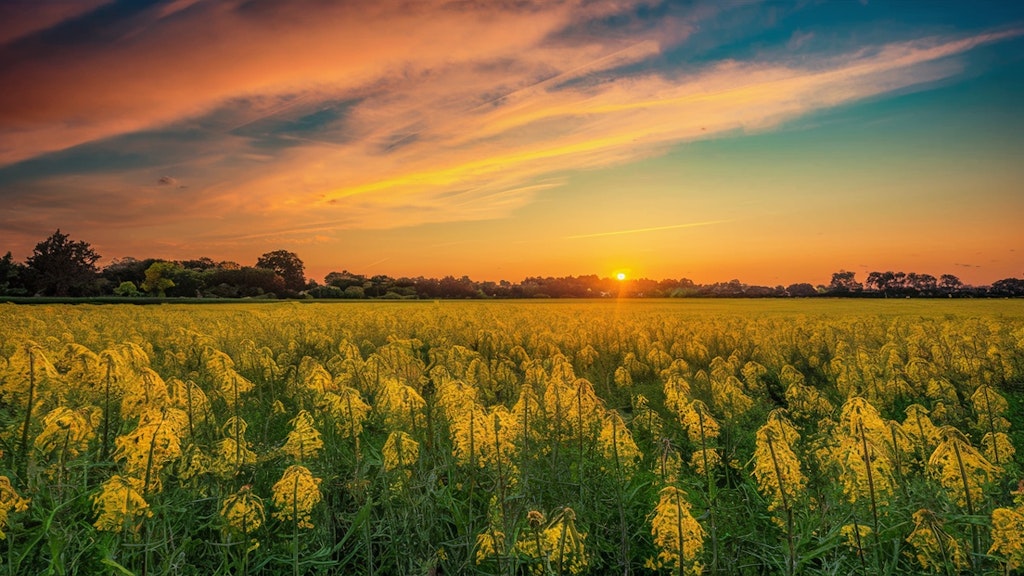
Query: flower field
(639, 437)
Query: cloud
(391, 114)
(645, 230)
(20, 18)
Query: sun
(620, 276)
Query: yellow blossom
(990, 407)
(400, 452)
(558, 547)
(347, 409)
(866, 464)
(489, 544)
(573, 408)
(230, 384)
(304, 442)
(118, 503)
(622, 378)
(1008, 535)
(155, 442)
(68, 430)
(295, 495)
(677, 535)
(233, 450)
(918, 427)
(776, 466)
(704, 461)
(243, 510)
(729, 397)
(617, 443)
(399, 406)
(677, 393)
(806, 402)
(700, 425)
(645, 419)
(934, 548)
(10, 501)
(955, 462)
(856, 535)
(998, 447)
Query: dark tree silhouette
(62, 267)
(288, 266)
(844, 282)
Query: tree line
(62, 267)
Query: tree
(288, 266)
(801, 290)
(62, 267)
(158, 278)
(11, 276)
(950, 284)
(844, 282)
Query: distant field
(789, 436)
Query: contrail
(639, 230)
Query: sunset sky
(772, 142)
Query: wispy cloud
(387, 114)
(645, 230)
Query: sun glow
(620, 276)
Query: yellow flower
(68, 430)
(622, 378)
(677, 393)
(295, 495)
(990, 406)
(729, 397)
(154, 443)
(489, 544)
(923, 434)
(998, 447)
(558, 547)
(119, 503)
(233, 451)
(243, 510)
(188, 397)
(573, 409)
(303, 441)
(862, 453)
(934, 547)
(1008, 535)
(400, 452)
(806, 402)
(677, 535)
(9, 501)
(705, 461)
(399, 406)
(347, 408)
(955, 462)
(645, 419)
(230, 384)
(776, 466)
(617, 443)
(144, 390)
(856, 535)
(700, 425)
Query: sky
(770, 142)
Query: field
(531, 437)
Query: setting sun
(620, 276)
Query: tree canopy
(60, 266)
(287, 265)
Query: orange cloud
(454, 110)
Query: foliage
(63, 267)
(748, 437)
